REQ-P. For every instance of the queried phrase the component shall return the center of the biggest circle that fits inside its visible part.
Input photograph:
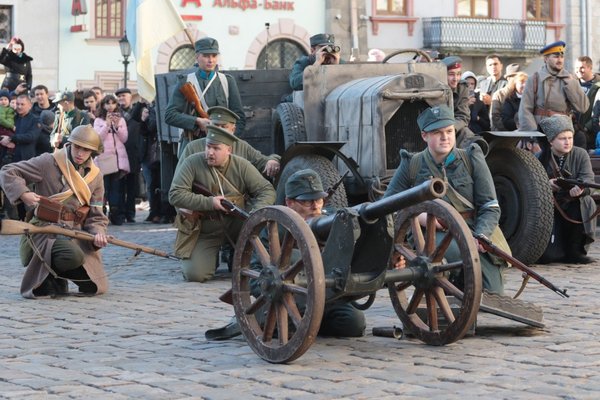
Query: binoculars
(331, 48)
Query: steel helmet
(85, 136)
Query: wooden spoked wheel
(441, 305)
(278, 284)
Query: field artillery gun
(279, 300)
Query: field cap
(304, 185)
(435, 118)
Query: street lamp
(125, 52)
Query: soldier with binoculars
(323, 51)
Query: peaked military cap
(222, 115)
(216, 135)
(435, 118)
(207, 45)
(304, 185)
(321, 39)
(452, 62)
(556, 47)
(556, 124)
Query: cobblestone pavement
(145, 339)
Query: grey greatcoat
(560, 93)
(43, 172)
(577, 165)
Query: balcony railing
(480, 34)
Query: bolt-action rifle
(191, 95)
(567, 183)
(495, 250)
(12, 227)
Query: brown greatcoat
(560, 93)
(43, 172)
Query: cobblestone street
(145, 339)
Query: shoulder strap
(193, 79)
(225, 85)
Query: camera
(331, 49)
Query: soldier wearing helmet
(69, 190)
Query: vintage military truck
(355, 118)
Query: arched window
(280, 53)
(183, 58)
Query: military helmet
(85, 136)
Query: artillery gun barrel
(434, 188)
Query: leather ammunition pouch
(53, 211)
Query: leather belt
(13, 75)
(69, 216)
(547, 113)
(467, 214)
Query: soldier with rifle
(199, 90)
(205, 222)
(68, 189)
(570, 175)
(227, 119)
(470, 188)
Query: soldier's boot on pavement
(52, 287)
(231, 330)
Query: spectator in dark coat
(510, 108)
(27, 131)
(135, 147)
(480, 119)
(46, 124)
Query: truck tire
(525, 200)
(288, 126)
(322, 166)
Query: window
(5, 23)
(110, 15)
(540, 10)
(391, 7)
(473, 8)
(182, 58)
(280, 53)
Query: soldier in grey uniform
(214, 89)
(550, 91)
(227, 119)
(227, 176)
(466, 173)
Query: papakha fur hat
(556, 124)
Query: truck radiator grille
(402, 132)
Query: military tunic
(241, 148)
(476, 186)
(181, 114)
(560, 93)
(44, 173)
(199, 241)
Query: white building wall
(82, 57)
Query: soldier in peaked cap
(227, 119)
(477, 200)
(550, 91)
(323, 51)
(203, 224)
(213, 88)
(573, 204)
(460, 95)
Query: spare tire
(525, 199)
(288, 126)
(327, 172)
